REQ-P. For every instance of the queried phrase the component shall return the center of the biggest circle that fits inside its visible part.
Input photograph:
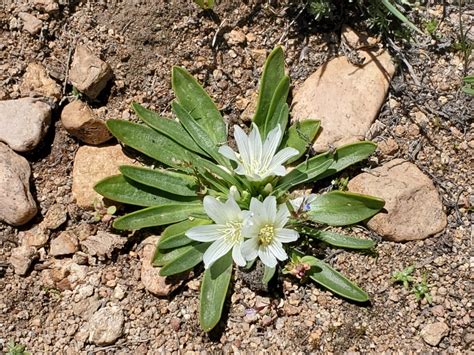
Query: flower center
(233, 232)
(266, 234)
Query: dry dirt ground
(141, 40)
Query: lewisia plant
(230, 208)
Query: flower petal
(217, 250)
(250, 249)
(237, 254)
(282, 216)
(256, 149)
(227, 152)
(282, 156)
(214, 209)
(270, 145)
(232, 210)
(269, 211)
(278, 251)
(286, 235)
(267, 257)
(205, 233)
(242, 144)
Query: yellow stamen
(266, 235)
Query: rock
(35, 237)
(388, 146)
(92, 164)
(103, 244)
(414, 208)
(119, 293)
(23, 123)
(87, 307)
(21, 259)
(356, 40)
(236, 37)
(80, 121)
(106, 325)
(150, 275)
(17, 205)
(47, 5)
(89, 74)
(63, 274)
(64, 244)
(30, 23)
(433, 333)
(55, 216)
(36, 82)
(346, 98)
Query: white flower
(226, 233)
(256, 159)
(266, 232)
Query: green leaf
(336, 239)
(339, 208)
(468, 87)
(168, 127)
(197, 102)
(205, 4)
(169, 181)
(348, 155)
(186, 261)
(174, 235)
(119, 188)
(300, 136)
(268, 274)
(217, 172)
(306, 171)
(156, 216)
(163, 257)
(200, 136)
(401, 16)
(273, 73)
(326, 276)
(214, 286)
(150, 142)
(276, 112)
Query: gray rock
(30, 23)
(22, 258)
(35, 237)
(17, 205)
(80, 121)
(106, 326)
(55, 216)
(47, 5)
(23, 123)
(345, 97)
(413, 205)
(36, 82)
(433, 333)
(89, 74)
(64, 244)
(103, 244)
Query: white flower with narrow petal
(226, 233)
(266, 232)
(256, 159)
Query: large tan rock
(106, 325)
(17, 205)
(89, 74)
(150, 275)
(23, 123)
(91, 165)
(80, 121)
(345, 97)
(36, 81)
(414, 208)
